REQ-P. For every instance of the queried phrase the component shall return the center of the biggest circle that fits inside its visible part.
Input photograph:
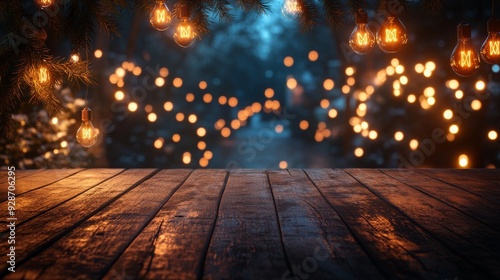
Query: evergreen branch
(308, 19)
(333, 13)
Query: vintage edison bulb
(87, 134)
(362, 39)
(490, 51)
(161, 17)
(184, 34)
(391, 36)
(44, 3)
(291, 9)
(464, 59)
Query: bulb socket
(184, 11)
(86, 114)
(361, 17)
(493, 25)
(463, 30)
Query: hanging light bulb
(161, 17)
(391, 36)
(362, 39)
(490, 51)
(87, 134)
(184, 34)
(464, 59)
(291, 9)
(44, 3)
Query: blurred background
(259, 93)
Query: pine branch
(433, 7)
(333, 13)
(308, 19)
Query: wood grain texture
(19, 173)
(173, 244)
(467, 237)
(491, 175)
(246, 235)
(35, 180)
(468, 180)
(400, 247)
(90, 248)
(317, 242)
(473, 205)
(49, 226)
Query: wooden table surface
(254, 224)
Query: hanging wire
(463, 10)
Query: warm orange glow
(189, 97)
(219, 124)
(233, 102)
(192, 118)
(279, 128)
(324, 103)
(398, 136)
(163, 72)
(168, 106)
(148, 108)
(328, 84)
(159, 82)
(132, 106)
(152, 117)
(176, 138)
(43, 75)
(207, 98)
(137, 71)
(185, 33)
(463, 160)
(453, 129)
(98, 53)
(235, 124)
(225, 132)
(291, 83)
(269, 92)
(158, 143)
(283, 164)
(203, 162)
(203, 85)
(201, 131)
(161, 17)
(373, 135)
(208, 155)
(304, 124)
(492, 135)
(332, 113)
(186, 157)
(358, 152)
(448, 114)
(480, 85)
(179, 117)
(119, 95)
(177, 82)
(256, 107)
(288, 61)
(313, 55)
(222, 100)
(202, 145)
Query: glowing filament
(161, 16)
(44, 75)
(185, 32)
(86, 133)
(46, 2)
(494, 47)
(293, 6)
(465, 58)
(362, 38)
(391, 35)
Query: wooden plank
(492, 175)
(317, 242)
(91, 247)
(37, 201)
(471, 204)
(47, 227)
(464, 180)
(467, 237)
(19, 173)
(36, 180)
(246, 242)
(399, 247)
(173, 245)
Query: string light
(362, 39)
(490, 50)
(185, 34)
(87, 134)
(44, 3)
(43, 75)
(291, 9)
(161, 17)
(391, 36)
(464, 59)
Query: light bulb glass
(161, 17)
(291, 9)
(184, 34)
(87, 134)
(44, 3)
(362, 39)
(391, 36)
(490, 50)
(464, 59)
